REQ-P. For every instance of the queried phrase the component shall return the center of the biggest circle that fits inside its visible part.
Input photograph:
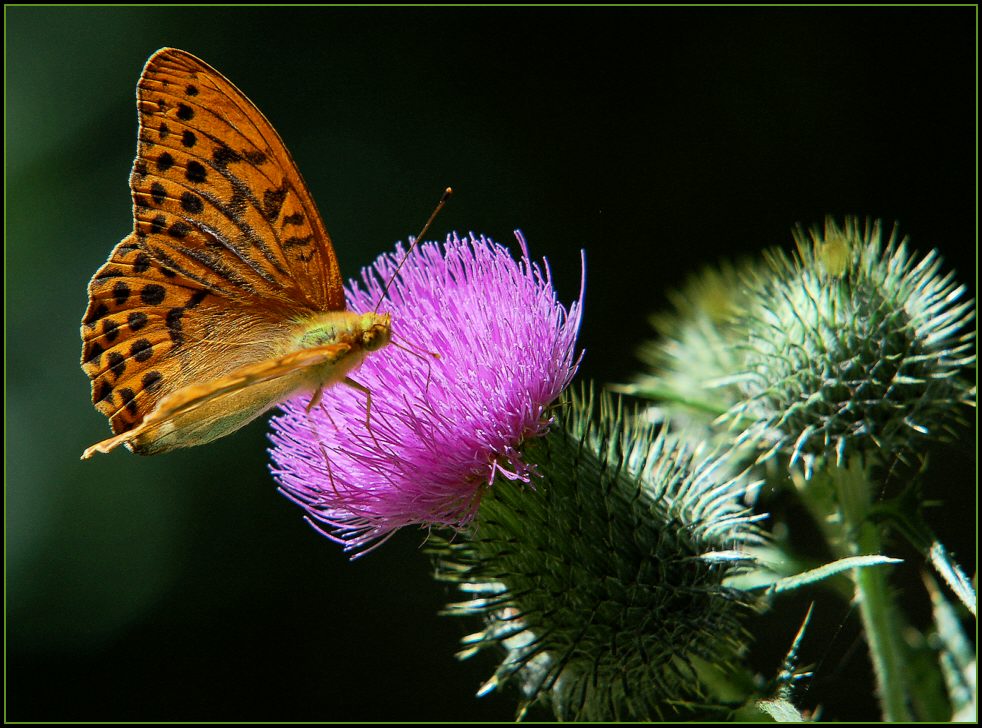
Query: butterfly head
(376, 330)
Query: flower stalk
(857, 534)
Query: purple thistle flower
(441, 429)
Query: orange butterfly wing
(227, 249)
(179, 411)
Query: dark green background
(184, 587)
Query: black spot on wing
(137, 320)
(223, 155)
(126, 397)
(174, 326)
(103, 392)
(151, 381)
(142, 262)
(152, 294)
(117, 364)
(196, 172)
(141, 350)
(179, 230)
(273, 200)
(191, 203)
(93, 353)
(121, 292)
(110, 329)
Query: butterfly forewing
(215, 188)
(227, 246)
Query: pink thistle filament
(441, 429)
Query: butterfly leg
(409, 348)
(330, 473)
(429, 371)
(315, 400)
(107, 445)
(368, 403)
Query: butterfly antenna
(436, 211)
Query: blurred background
(183, 587)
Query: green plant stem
(881, 622)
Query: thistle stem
(882, 623)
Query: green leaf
(957, 657)
(789, 583)
(781, 710)
(953, 576)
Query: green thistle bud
(852, 346)
(696, 356)
(606, 582)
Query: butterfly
(226, 298)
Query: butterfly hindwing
(203, 412)
(148, 332)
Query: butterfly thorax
(352, 335)
(361, 331)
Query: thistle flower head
(606, 585)
(693, 361)
(440, 430)
(853, 346)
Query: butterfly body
(226, 298)
(323, 351)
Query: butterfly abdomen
(324, 349)
(215, 418)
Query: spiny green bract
(605, 579)
(852, 346)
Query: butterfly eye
(375, 338)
